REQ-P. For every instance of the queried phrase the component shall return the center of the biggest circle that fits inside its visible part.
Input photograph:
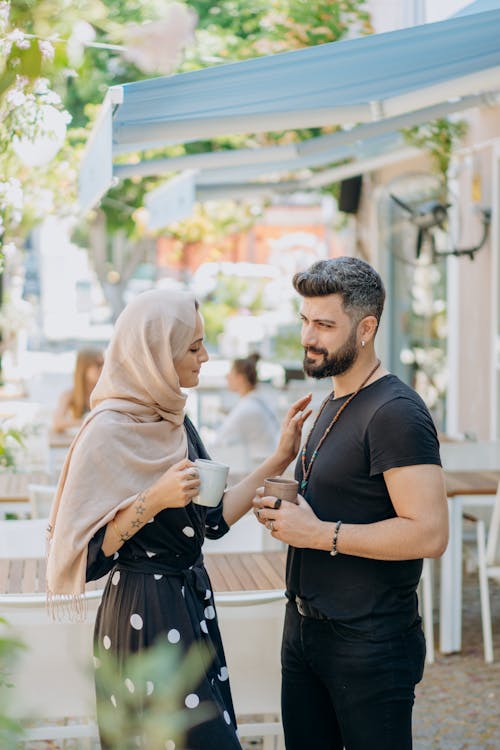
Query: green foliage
(150, 700)
(287, 346)
(8, 439)
(439, 137)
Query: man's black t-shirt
(386, 425)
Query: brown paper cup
(285, 489)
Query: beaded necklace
(307, 471)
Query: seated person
(251, 422)
(74, 403)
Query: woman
(74, 403)
(251, 423)
(124, 502)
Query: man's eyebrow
(319, 320)
(198, 341)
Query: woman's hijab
(132, 435)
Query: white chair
(53, 688)
(41, 497)
(23, 538)
(246, 535)
(488, 558)
(251, 625)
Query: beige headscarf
(133, 434)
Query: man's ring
(277, 503)
(270, 526)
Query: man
(372, 505)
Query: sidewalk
(458, 701)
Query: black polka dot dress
(158, 586)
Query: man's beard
(334, 364)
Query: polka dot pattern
(150, 686)
(223, 675)
(130, 685)
(157, 576)
(136, 621)
(204, 627)
(173, 636)
(192, 700)
(188, 531)
(227, 718)
(106, 642)
(209, 612)
(113, 700)
(116, 578)
(169, 745)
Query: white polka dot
(116, 578)
(169, 745)
(173, 636)
(151, 520)
(227, 718)
(192, 700)
(188, 531)
(136, 621)
(224, 674)
(97, 662)
(182, 591)
(116, 556)
(130, 685)
(113, 700)
(106, 642)
(215, 527)
(150, 554)
(208, 594)
(209, 612)
(157, 576)
(149, 687)
(203, 626)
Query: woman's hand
(178, 485)
(291, 430)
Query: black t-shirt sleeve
(401, 433)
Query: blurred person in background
(251, 422)
(74, 403)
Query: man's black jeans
(341, 690)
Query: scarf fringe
(66, 607)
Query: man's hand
(294, 524)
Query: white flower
(156, 47)
(17, 37)
(407, 357)
(47, 49)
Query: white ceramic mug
(213, 477)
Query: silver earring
(363, 343)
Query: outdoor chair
(251, 625)
(488, 559)
(23, 538)
(41, 497)
(53, 691)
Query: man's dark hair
(358, 284)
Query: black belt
(307, 610)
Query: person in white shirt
(251, 422)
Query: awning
(360, 80)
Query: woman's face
(92, 374)
(188, 366)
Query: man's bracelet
(334, 551)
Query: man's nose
(307, 337)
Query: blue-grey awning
(362, 80)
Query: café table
(463, 488)
(229, 572)
(14, 497)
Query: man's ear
(367, 328)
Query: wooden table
(462, 488)
(14, 496)
(232, 571)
